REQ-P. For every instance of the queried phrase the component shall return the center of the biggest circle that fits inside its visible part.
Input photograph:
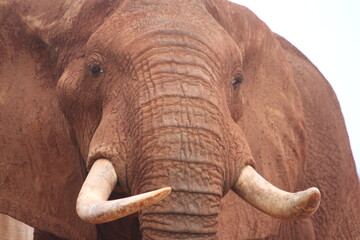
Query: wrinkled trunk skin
(178, 136)
(181, 146)
(191, 211)
(179, 221)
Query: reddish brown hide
(226, 92)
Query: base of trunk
(162, 235)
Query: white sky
(328, 33)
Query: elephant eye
(95, 69)
(237, 81)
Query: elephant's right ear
(64, 23)
(272, 119)
(41, 169)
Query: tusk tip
(167, 189)
(314, 197)
(308, 202)
(163, 192)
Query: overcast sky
(328, 33)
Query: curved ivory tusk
(275, 202)
(92, 205)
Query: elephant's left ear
(272, 118)
(41, 170)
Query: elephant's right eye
(95, 69)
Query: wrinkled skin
(174, 93)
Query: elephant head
(173, 103)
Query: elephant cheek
(235, 103)
(68, 86)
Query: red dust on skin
(149, 85)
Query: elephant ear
(272, 121)
(64, 25)
(41, 169)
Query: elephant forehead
(140, 17)
(129, 28)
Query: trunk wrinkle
(181, 214)
(165, 235)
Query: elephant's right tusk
(92, 205)
(275, 202)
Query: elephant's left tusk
(273, 201)
(92, 205)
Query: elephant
(161, 119)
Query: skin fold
(180, 94)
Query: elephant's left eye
(237, 81)
(95, 69)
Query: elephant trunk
(191, 210)
(173, 218)
(181, 147)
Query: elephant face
(157, 96)
(175, 94)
